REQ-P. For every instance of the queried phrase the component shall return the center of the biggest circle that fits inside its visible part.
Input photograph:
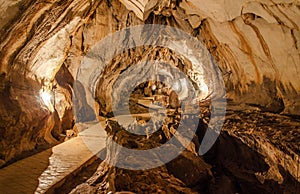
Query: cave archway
(255, 45)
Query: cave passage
(147, 96)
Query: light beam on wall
(47, 99)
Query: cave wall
(257, 46)
(34, 45)
(255, 43)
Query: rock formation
(254, 42)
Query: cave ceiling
(248, 52)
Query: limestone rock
(174, 101)
(190, 169)
(255, 44)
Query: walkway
(46, 170)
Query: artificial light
(47, 98)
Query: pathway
(46, 170)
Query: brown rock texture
(254, 42)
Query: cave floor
(48, 169)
